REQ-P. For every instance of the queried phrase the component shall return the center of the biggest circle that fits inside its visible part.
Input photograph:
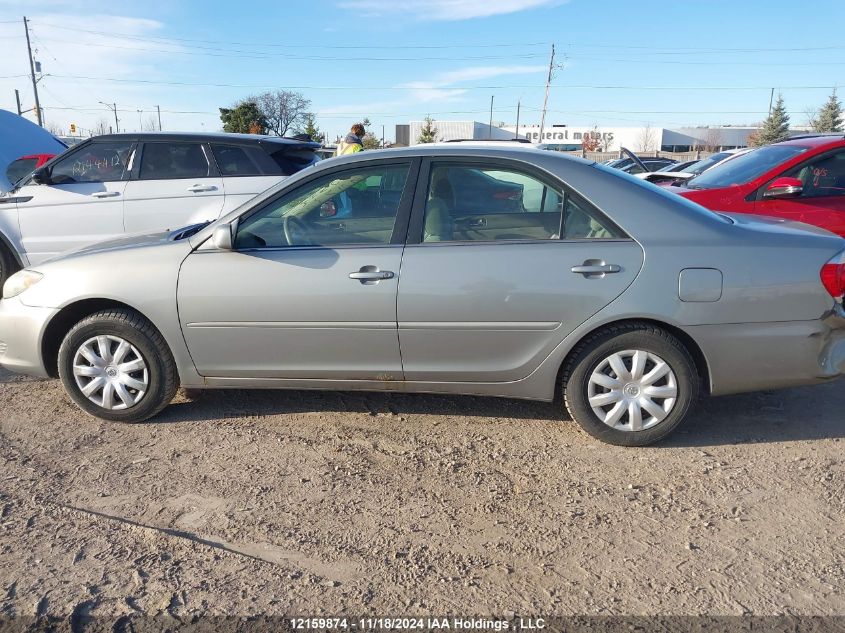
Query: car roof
(207, 136)
(820, 140)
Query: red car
(802, 179)
(25, 165)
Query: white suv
(129, 183)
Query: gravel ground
(250, 502)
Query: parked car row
(129, 183)
(488, 270)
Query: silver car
(374, 272)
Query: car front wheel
(115, 365)
(630, 385)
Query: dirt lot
(252, 502)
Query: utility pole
(382, 137)
(113, 108)
(158, 109)
(490, 128)
(771, 98)
(18, 100)
(518, 104)
(546, 98)
(32, 74)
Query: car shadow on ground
(806, 413)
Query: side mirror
(328, 209)
(784, 188)
(222, 237)
(41, 176)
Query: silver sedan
(476, 270)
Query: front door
(486, 296)
(309, 290)
(82, 204)
(822, 201)
(176, 184)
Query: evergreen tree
(244, 118)
(428, 133)
(830, 116)
(775, 127)
(311, 129)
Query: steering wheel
(296, 231)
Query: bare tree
(713, 139)
(100, 127)
(150, 124)
(284, 110)
(55, 129)
(647, 139)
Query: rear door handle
(105, 194)
(201, 188)
(372, 275)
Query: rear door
(175, 183)
(82, 204)
(485, 297)
(822, 201)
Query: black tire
(592, 352)
(8, 265)
(139, 332)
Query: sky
(618, 63)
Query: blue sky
(623, 63)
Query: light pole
(140, 125)
(113, 108)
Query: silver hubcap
(111, 372)
(632, 390)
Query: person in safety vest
(352, 143)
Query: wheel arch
(6, 243)
(65, 319)
(701, 365)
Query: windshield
(706, 163)
(745, 168)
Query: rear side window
(468, 203)
(293, 160)
(234, 161)
(171, 161)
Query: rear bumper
(761, 356)
(21, 331)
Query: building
(606, 138)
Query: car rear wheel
(630, 385)
(115, 365)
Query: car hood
(134, 241)
(20, 138)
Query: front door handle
(596, 268)
(201, 188)
(105, 194)
(371, 275)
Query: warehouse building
(602, 138)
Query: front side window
(172, 161)
(478, 204)
(355, 206)
(822, 177)
(96, 162)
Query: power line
(147, 38)
(268, 55)
(400, 87)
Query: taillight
(833, 277)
